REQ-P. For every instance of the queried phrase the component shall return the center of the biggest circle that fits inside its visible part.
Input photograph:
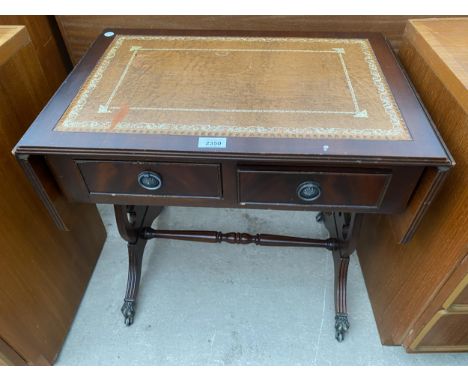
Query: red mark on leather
(119, 116)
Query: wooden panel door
(43, 271)
(80, 31)
(407, 284)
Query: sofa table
(317, 122)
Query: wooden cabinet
(48, 46)
(418, 290)
(447, 329)
(43, 271)
(80, 31)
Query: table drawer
(462, 298)
(152, 178)
(458, 299)
(446, 331)
(313, 187)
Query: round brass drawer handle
(149, 180)
(309, 191)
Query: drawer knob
(309, 191)
(149, 180)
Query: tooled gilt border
(398, 131)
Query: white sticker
(211, 143)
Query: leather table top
(237, 87)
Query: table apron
(237, 183)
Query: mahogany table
(290, 121)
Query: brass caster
(341, 326)
(128, 311)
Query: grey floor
(207, 304)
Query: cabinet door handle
(149, 180)
(309, 191)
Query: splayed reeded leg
(344, 227)
(131, 220)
